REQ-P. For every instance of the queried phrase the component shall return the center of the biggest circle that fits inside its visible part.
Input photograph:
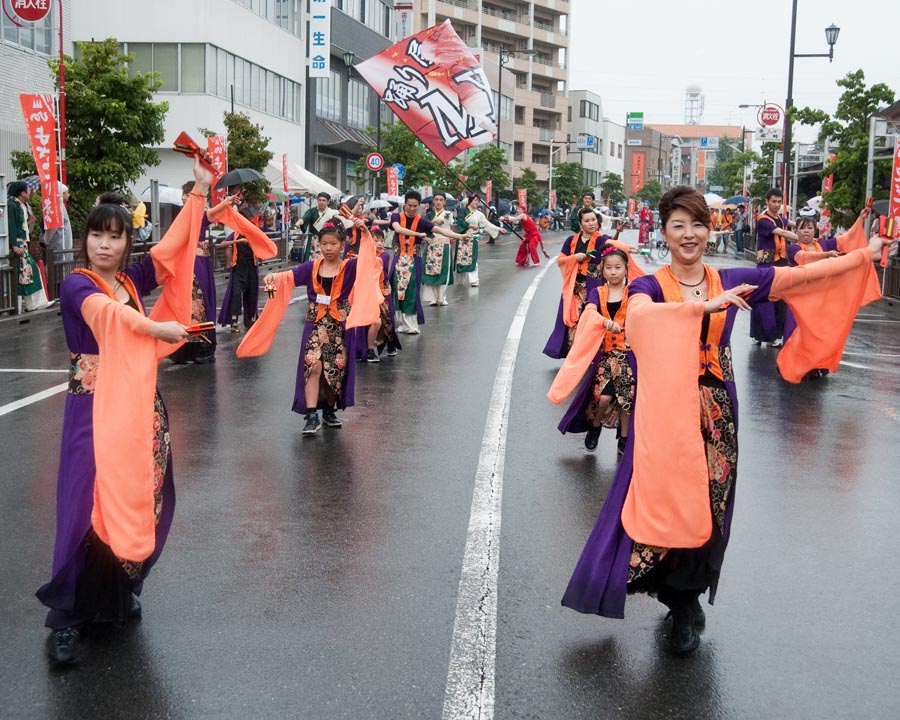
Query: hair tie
(608, 250)
(328, 225)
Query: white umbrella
(374, 204)
(168, 195)
(712, 199)
(814, 202)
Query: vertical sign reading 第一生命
(319, 38)
(40, 122)
(218, 158)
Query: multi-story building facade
(530, 39)
(696, 148)
(213, 56)
(651, 155)
(595, 141)
(24, 53)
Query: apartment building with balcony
(530, 40)
(601, 150)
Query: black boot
(623, 441)
(592, 438)
(64, 646)
(683, 636)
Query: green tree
(112, 124)
(528, 181)
(651, 192)
(848, 130)
(486, 163)
(761, 180)
(613, 189)
(568, 181)
(728, 171)
(400, 146)
(247, 148)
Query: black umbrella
(451, 201)
(33, 182)
(239, 176)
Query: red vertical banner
(637, 171)
(552, 199)
(393, 183)
(889, 228)
(630, 207)
(218, 153)
(523, 198)
(488, 191)
(40, 123)
(284, 178)
(828, 182)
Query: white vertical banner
(319, 38)
(403, 19)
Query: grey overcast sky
(641, 56)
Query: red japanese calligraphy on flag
(217, 148)
(488, 190)
(523, 198)
(393, 182)
(41, 124)
(552, 199)
(436, 86)
(889, 229)
(284, 178)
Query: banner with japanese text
(488, 190)
(630, 207)
(319, 38)
(522, 194)
(217, 148)
(40, 122)
(437, 87)
(393, 183)
(637, 171)
(552, 199)
(828, 182)
(284, 173)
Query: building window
(358, 104)
(620, 152)
(612, 149)
(193, 68)
(31, 36)
(590, 110)
(328, 96)
(327, 168)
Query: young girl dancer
(607, 395)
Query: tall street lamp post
(831, 36)
(505, 56)
(349, 56)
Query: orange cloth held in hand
(365, 306)
(588, 339)
(225, 213)
(259, 338)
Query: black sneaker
(64, 646)
(312, 422)
(330, 419)
(620, 451)
(392, 352)
(592, 438)
(135, 612)
(371, 357)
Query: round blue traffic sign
(401, 170)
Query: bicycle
(662, 249)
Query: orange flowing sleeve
(667, 504)
(824, 297)
(123, 512)
(584, 349)
(568, 266)
(225, 213)
(634, 270)
(854, 238)
(173, 263)
(367, 297)
(259, 338)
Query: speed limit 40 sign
(374, 161)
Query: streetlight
(349, 56)
(505, 57)
(831, 36)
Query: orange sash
(408, 242)
(780, 240)
(331, 308)
(122, 278)
(591, 246)
(709, 351)
(613, 341)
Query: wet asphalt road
(317, 577)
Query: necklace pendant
(698, 292)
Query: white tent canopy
(300, 180)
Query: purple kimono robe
(75, 482)
(767, 319)
(599, 581)
(556, 346)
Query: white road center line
(470, 676)
(37, 397)
(29, 370)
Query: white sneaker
(777, 343)
(444, 303)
